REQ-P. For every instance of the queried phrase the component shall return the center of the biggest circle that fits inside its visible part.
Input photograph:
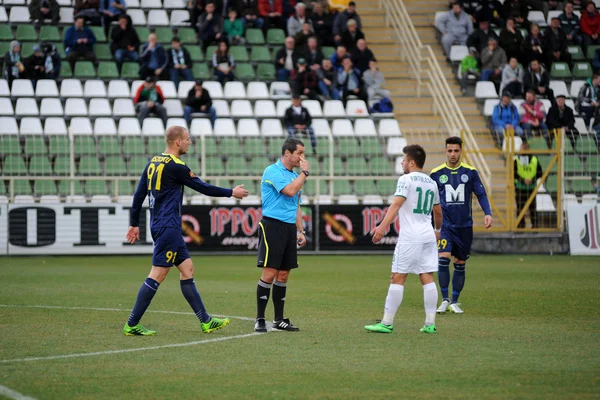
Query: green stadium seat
(6, 33)
(102, 51)
(60, 47)
(21, 188)
(582, 186)
(265, 72)
(357, 166)
(133, 145)
(10, 144)
(137, 165)
(576, 53)
(592, 165)
(40, 165)
(244, 72)
(275, 37)
(274, 147)
(164, 36)
(130, 70)
(349, 147)
(27, 48)
(65, 70)
(89, 165)
(342, 187)
(310, 187)
(230, 146)
(380, 166)
(143, 33)
(537, 143)
(568, 146)
(255, 36)
(26, 33)
(4, 47)
(85, 145)
(195, 53)
(59, 145)
(211, 146)
(193, 164)
(44, 188)
(328, 51)
(258, 165)
(187, 36)
(239, 53)
(545, 162)
(591, 50)
(338, 166)
(84, 69)
(99, 33)
(387, 187)
(560, 70)
(581, 70)
(62, 165)
(107, 70)
(115, 165)
(254, 147)
(365, 187)
(586, 145)
(260, 54)
(156, 146)
(109, 145)
(124, 188)
(3, 189)
(95, 187)
(210, 51)
(14, 165)
(237, 166)
(573, 165)
(370, 146)
(49, 33)
(64, 188)
(200, 71)
(214, 166)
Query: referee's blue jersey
(275, 204)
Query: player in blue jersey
(162, 181)
(457, 182)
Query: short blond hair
(174, 133)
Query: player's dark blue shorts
(169, 247)
(456, 241)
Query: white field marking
(121, 351)
(117, 309)
(11, 394)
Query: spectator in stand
(511, 40)
(223, 63)
(480, 38)
(468, 66)
(40, 10)
(504, 117)
(295, 23)
(153, 59)
(301, 38)
(210, 26)
(556, 44)
(374, 82)
(534, 45)
(351, 35)
(110, 11)
(590, 25)
(305, 81)
(79, 43)
(561, 116)
(350, 83)
(455, 26)
(35, 65)
(322, 25)
(196, 8)
(233, 28)
(313, 54)
(518, 10)
(88, 9)
(512, 78)
(249, 13)
(340, 24)
(297, 120)
(198, 101)
(14, 67)
(532, 116)
(537, 79)
(587, 99)
(271, 11)
(285, 60)
(493, 59)
(52, 60)
(180, 62)
(338, 57)
(569, 23)
(125, 41)
(328, 80)
(362, 56)
(148, 99)
(487, 10)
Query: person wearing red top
(149, 98)
(590, 25)
(271, 11)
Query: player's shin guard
(279, 289)
(392, 303)
(188, 288)
(444, 276)
(144, 297)
(458, 281)
(263, 290)
(430, 299)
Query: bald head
(175, 133)
(178, 140)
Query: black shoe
(260, 325)
(284, 325)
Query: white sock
(430, 299)
(392, 302)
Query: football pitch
(530, 331)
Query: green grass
(530, 331)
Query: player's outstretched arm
(392, 211)
(187, 178)
(484, 202)
(239, 192)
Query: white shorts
(415, 258)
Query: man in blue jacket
(505, 116)
(79, 43)
(153, 59)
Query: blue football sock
(188, 288)
(444, 276)
(144, 297)
(458, 281)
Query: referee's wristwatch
(306, 173)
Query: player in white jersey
(416, 197)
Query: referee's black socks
(279, 289)
(263, 290)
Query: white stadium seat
(553, 14)
(184, 88)
(158, 18)
(22, 88)
(153, 127)
(71, 88)
(324, 199)
(201, 127)
(26, 106)
(80, 126)
(398, 166)
(224, 127)
(389, 127)
(248, 127)
(321, 127)
(575, 87)
(395, 146)
(4, 90)
(488, 108)
(356, 108)
(176, 122)
(571, 104)
(200, 200)
(234, 90)
(373, 199)
(580, 125)
(46, 88)
(342, 127)
(458, 52)
(547, 104)
(364, 127)
(6, 107)
(174, 4)
(105, 126)
(55, 126)
(313, 107)
(347, 199)
(559, 88)
(168, 89)
(100, 108)
(221, 107)
(174, 108)
(251, 200)
(485, 90)
(8, 126)
(51, 107)
(241, 109)
(280, 90)
(264, 109)
(271, 128)
(75, 199)
(214, 88)
(257, 90)
(135, 86)
(129, 127)
(537, 17)
(151, 4)
(180, 18)
(94, 88)
(66, 15)
(123, 108)
(100, 199)
(283, 105)
(3, 16)
(118, 88)
(125, 199)
(75, 107)
(49, 199)
(334, 109)
(589, 199)
(19, 14)
(23, 199)
(138, 18)
(132, 4)
(31, 126)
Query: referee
(280, 231)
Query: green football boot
(137, 330)
(214, 324)
(428, 329)
(380, 328)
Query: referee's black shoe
(284, 325)
(260, 325)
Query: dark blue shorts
(456, 241)
(169, 247)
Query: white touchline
(121, 351)
(11, 394)
(116, 309)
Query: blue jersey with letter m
(456, 186)
(162, 181)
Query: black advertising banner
(231, 228)
(348, 227)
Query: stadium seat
(180, 18)
(146, 4)
(153, 127)
(244, 72)
(50, 107)
(347, 199)
(174, 108)
(201, 127)
(80, 126)
(6, 33)
(224, 127)
(22, 88)
(372, 199)
(214, 88)
(576, 53)
(398, 170)
(31, 126)
(264, 109)
(94, 88)
(10, 145)
(40, 165)
(255, 37)
(575, 87)
(3, 16)
(123, 108)
(275, 37)
(342, 127)
(537, 17)
(138, 18)
(241, 109)
(26, 107)
(158, 18)
(458, 52)
(248, 127)
(365, 127)
(560, 70)
(214, 166)
(257, 90)
(26, 33)
(260, 54)
(188, 36)
(313, 107)
(586, 145)
(100, 108)
(71, 88)
(134, 145)
(265, 72)
(321, 127)
(105, 126)
(75, 108)
(221, 107)
(103, 53)
(118, 88)
(282, 106)
(35, 145)
(239, 53)
(200, 71)
(280, 90)
(580, 125)
(485, 90)
(14, 165)
(581, 70)
(19, 14)
(49, 199)
(395, 146)
(488, 108)
(24, 199)
(6, 107)
(589, 199)
(135, 85)
(163, 34)
(46, 88)
(55, 126)
(168, 89)
(271, 127)
(109, 146)
(389, 127)
(8, 126)
(176, 122)
(356, 108)
(559, 88)
(4, 90)
(107, 70)
(130, 70)
(84, 70)
(114, 165)
(334, 109)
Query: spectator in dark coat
(35, 65)
(322, 25)
(511, 40)
(286, 59)
(249, 13)
(533, 46)
(301, 38)
(328, 80)
(271, 11)
(351, 35)
(362, 56)
(338, 57)
(479, 39)
(537, 79)
(518, 10)
(40, 10)
(562, 116)
(79, 43)
(180, 62)
(569, 23)
(196, 8)
(14, 67)
(297, 120)
(149, 98)
(340, 24)
(198, 101)
(350, 83)
(153, 59)
(556, 44)
(125, 41)
(210, 26)
(52, 60)
(313, 54)
(88, 9)
(110, 11)
(305, 81)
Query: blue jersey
(162, 181)
(274, 203)
(456, 186)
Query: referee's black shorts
(277, 245)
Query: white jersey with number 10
(421, 194)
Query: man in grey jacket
(493, 59)
(340, 24)
(455, 26)
(512, 78)
(374, 82)
(294, 24)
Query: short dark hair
(291, 144)
(531, 91)
(175, 39)
(454, 140)
(415, 153)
